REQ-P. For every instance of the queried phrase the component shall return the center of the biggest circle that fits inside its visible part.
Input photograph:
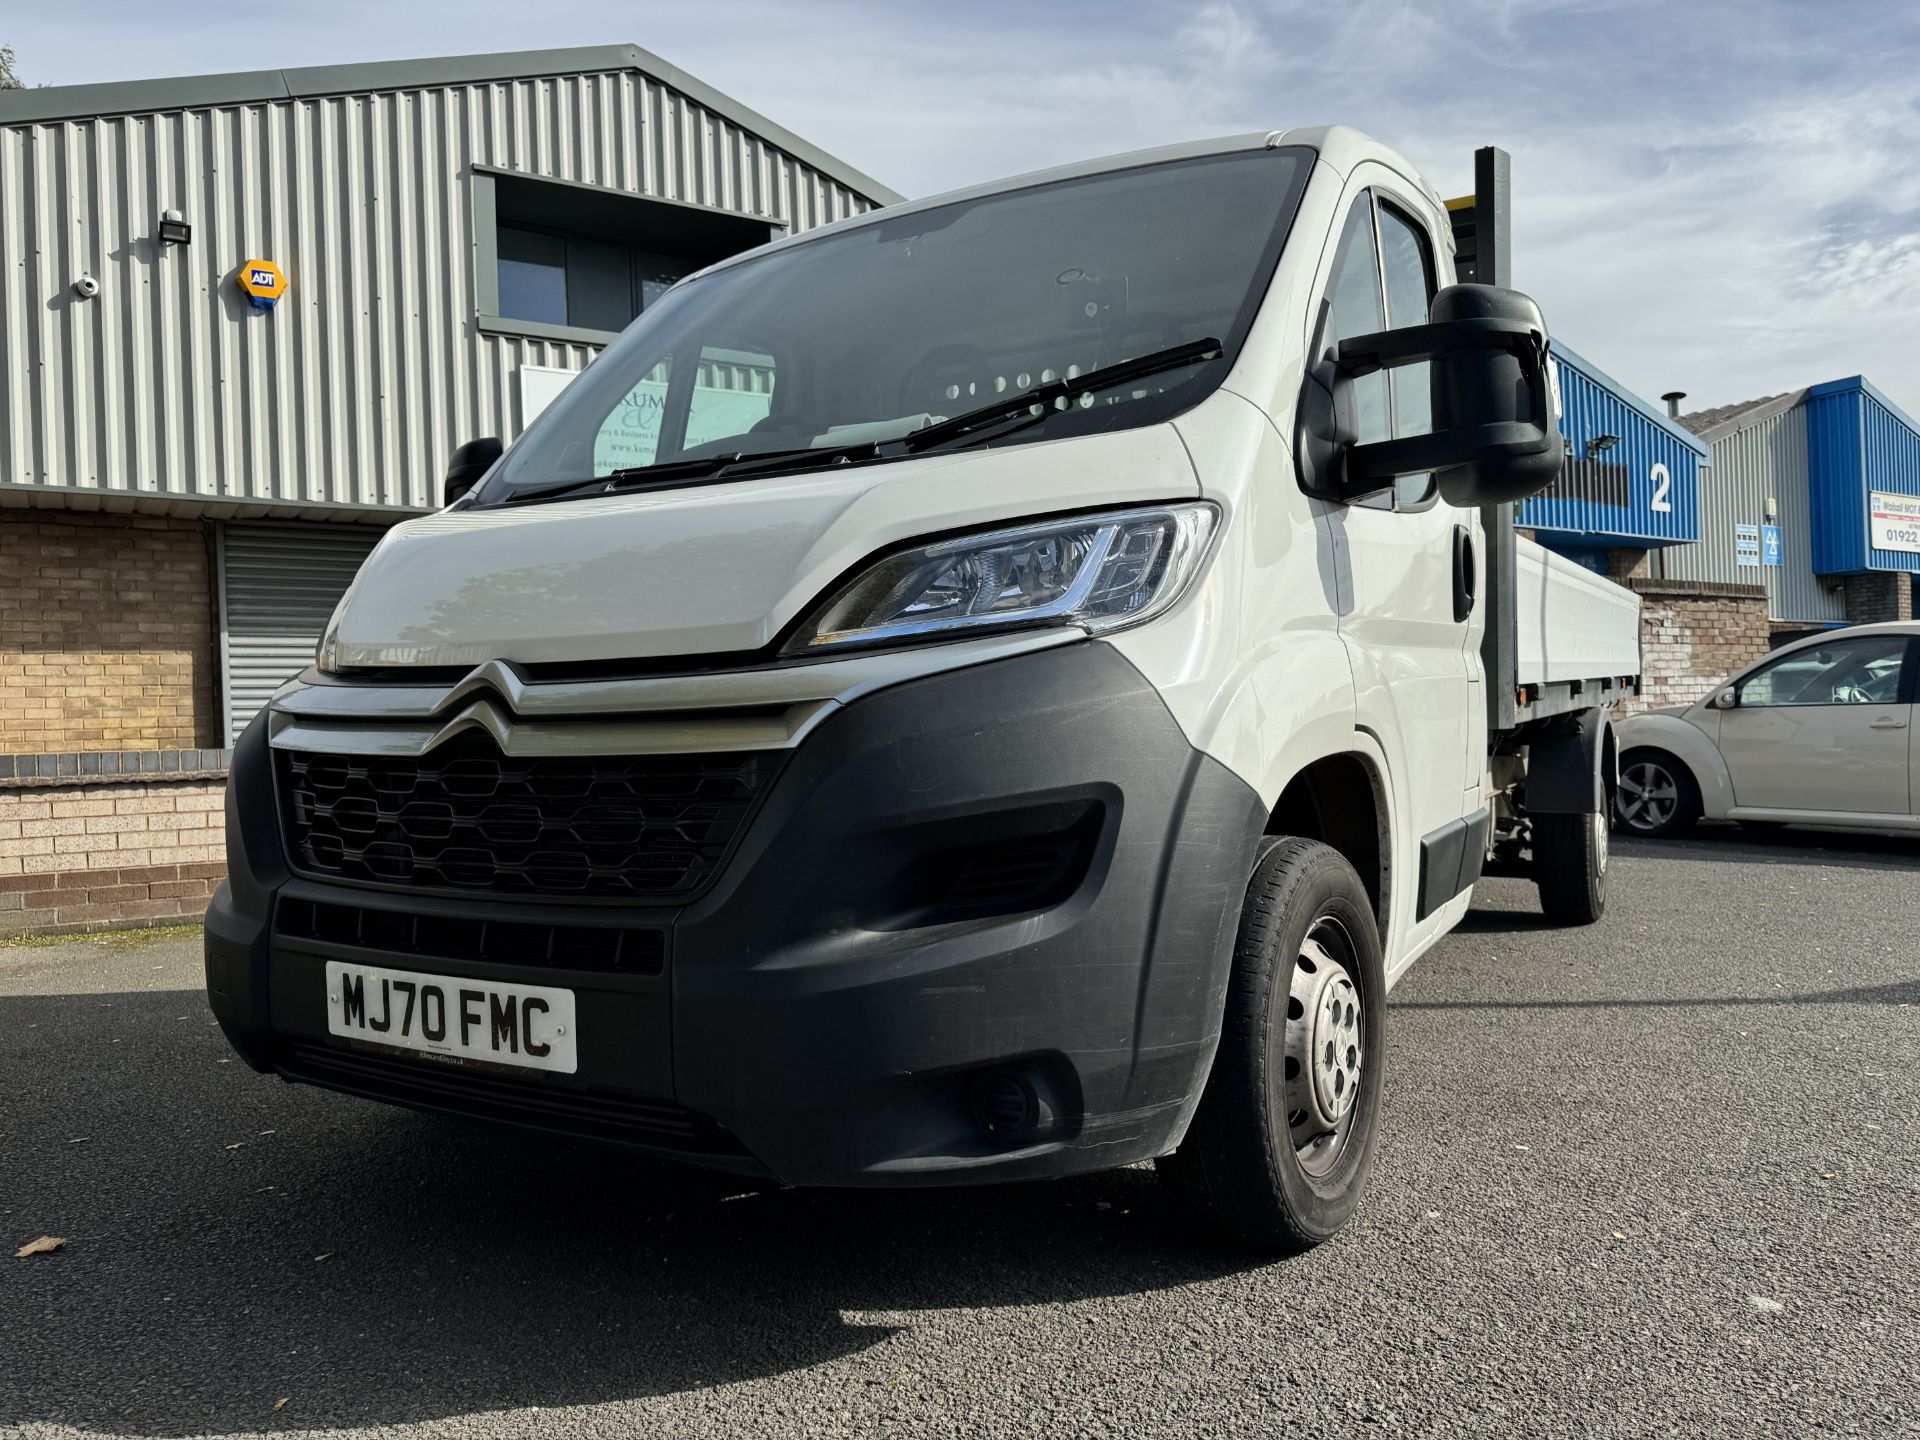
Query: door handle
(1466, 581)
(1887, 722)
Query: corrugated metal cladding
(1644, 489)
(350, 393)
(278, 587)
(1860, 442)
(1766, 460)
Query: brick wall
(1625, 565)
(1879, 595)
(107, 633)
(76, 857)
(1694, 633)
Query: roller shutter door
(278, 587)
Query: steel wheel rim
(1325, 1062)
(1600, 828)
(1648, 796)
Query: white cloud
(1719, 196)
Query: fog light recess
(1010, 1108)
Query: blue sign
(1772, 545)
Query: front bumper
(979, 929)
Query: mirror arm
(1389, 349)
(1373, 467)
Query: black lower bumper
(979, 930)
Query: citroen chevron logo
(482, 714)
(492, 676)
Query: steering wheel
(960, 366)
(785, 429)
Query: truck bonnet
(711, 570)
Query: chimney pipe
(1673, 399)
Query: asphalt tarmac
(1656, 1177)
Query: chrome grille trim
(685, 733)
(324, 698)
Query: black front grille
(467, 818)
(602, 949)
(468, 1090)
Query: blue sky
(1721, 197)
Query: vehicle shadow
(1785, 845)
(1898, 992)
(231, 1240)
(1486, 921)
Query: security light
(1600, 444)
(174, 229)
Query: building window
(588, 281)
(585, 257)
(533, 275)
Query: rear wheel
(1279, 1151)
(1570, 866)
(1657, 796)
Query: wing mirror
(469, 466)
(1495, 434)
(1726, 699)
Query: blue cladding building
(1632, 479)
(1832, 471)
(1865, 457)
(1737, 526)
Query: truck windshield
(859, 338)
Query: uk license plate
(530, 1026)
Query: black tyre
(1570, 866)
(1657, 795)
(1280, 1148)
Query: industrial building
(1629, 497)
(1815, 496)
(244, 320)
(1739, 526)
(1631, 481)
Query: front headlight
(1099, 572)
(326, 655)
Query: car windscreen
(867, 334)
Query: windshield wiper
(680, 472)
(603, 484)
(942, 432)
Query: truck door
(1398, 549)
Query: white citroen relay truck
(996, 688)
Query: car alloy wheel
(1648, 796)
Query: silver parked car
(1819, 732)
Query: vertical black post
(1493, 265)
(1492, 216)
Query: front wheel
(1280, 1148)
